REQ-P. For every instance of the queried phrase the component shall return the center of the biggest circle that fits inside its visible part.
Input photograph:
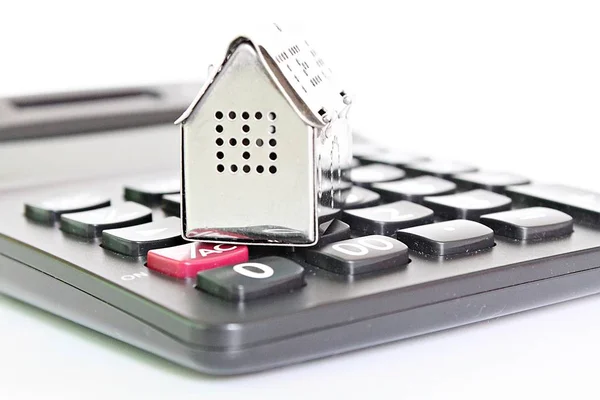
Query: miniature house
(264, 145)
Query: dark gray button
(360, 255)
(442, 169)
(151, 192)
(414, 189)
(447, 238)
(49, 210)
(137, 240)
(333, 231)
(339, 189)
(345, 168)
(260, 277)
(468, 205)
(359, 197)
(171, 204)
(530, 223)
(91, 223)
(493, 181)
(327, 214)
(372, 173)
(388, 218)
(580, 204)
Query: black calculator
(90, 231)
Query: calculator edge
(64, 300)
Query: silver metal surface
(260, 159)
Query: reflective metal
(259, 159)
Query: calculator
(90, 231)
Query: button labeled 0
(261, 277)
(187, 260)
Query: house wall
(257, 206)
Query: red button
(187, 260)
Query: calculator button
(337, 187)
(360, 197)
(395, 158)
(530, 223)
(187, 260)
(468, 205)
(578, 203)
(388, 218)
(354, 163)
(49, 210)
(327, 214)
(414, 189)
(91, 223)
(442, 169)
(360, 255)
(372, 173)
(333, 231)
(259, 277)
(493, 181)
(171, 204)
(137, 240)
(448, 238)
(151, 192)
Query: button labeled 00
(360, 255)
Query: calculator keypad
(492, 181)
(397, 214)
(135, 241)
(578, 203)
(532, 223)
(359, 197)
(373, 173)
(414, 189)
(439, 168)
(333, 231)
(90, 224)
(171, 204)
(49, 210)
(448, 238)
(185, 261)
(360, 255)
(327, 214)
(260, 277)
(468, 205)
(151, 192)
(388, 218)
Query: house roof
(298, 72)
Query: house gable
(241, 71)
(297, 72)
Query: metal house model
(264, 145)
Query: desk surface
(511, 86)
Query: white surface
(505, 83)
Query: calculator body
(332, 313)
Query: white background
(512, 85)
